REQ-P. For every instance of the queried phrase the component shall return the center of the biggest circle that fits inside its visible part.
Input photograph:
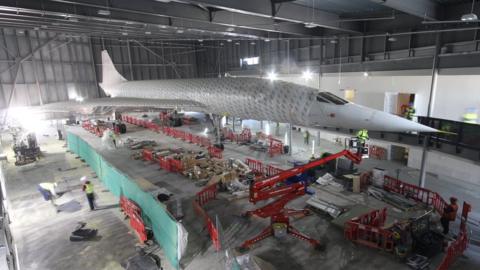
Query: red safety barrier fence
(215, 152)
(415, 192)
(147, 155)
(134, 212)
(271, 170)
(258, 167)
(255, 165)
(275, 146)
(367, 230)
(245, 136)
(204, 196)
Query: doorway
(397, 103)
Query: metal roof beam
(426, 9)
(285, 11)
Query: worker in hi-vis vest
(470, 116)
(362, 136)
(88, 189)
(409, 111)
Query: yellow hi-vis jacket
(88, 188)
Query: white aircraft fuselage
(260, 99)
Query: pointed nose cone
(357, 117)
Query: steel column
(433, 88)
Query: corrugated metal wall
(52, 67)
(55, 67)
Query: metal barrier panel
(203, 197)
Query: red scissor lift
(269, 188)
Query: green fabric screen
(154, 214)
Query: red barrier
(415, 192)
(258, 167)
(255, 165)
(215, 152)
(367, 230)
(204, 196)
(134, 212)
(245, 136)
(271, 170)
(175, 165)
(275, 146)
(147, 155)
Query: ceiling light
(229, 40)
(72, 19)
(221, 44)
(124, 34)
(21, 32)
(252, 43)
(163, 26)
(128, 22)
(200, 40)
(104, 12)
(469, 17)
(180, 31)
(267, 40)
(392, 39)
(237, 43)
(334, 41)
(230, 29)
(310, 25)
(307, 75)
(148, 33)
(365, 74)
(272, 76)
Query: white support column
(233, 123)
(290, 142)
(277, 129)
(318, 138)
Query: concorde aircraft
(245, 98)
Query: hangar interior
(240, 134)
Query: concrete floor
(285, 253)
(42, 235)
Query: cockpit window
(328, 97)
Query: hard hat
(83, 179)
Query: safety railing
(368, 230)
(258, 167)
(203, 197)
(134, 213)
(215, 152)
(417, 193)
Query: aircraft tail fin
(110, 75)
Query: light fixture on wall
(267, 40)
(229, 40)
(470, 16)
